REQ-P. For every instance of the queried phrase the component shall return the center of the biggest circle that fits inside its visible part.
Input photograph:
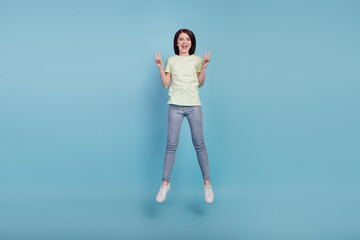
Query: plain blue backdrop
(83, 120)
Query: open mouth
(184, 47)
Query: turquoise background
(83, 120)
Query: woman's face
(184, 43)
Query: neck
(184, 54)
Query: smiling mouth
(184, 47)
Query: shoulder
(172, 58)
(198, 58)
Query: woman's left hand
(206, 59)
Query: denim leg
(194, 116)
(175, 118)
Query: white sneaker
(209, 195)
(161, 196)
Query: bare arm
(165, 77)
(201, 75)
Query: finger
(205, 53)
(155, 54)
(209, 53)
(159, 53)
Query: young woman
(187, 72)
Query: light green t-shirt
(184, 89)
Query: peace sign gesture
(158, 60)
(206, 59)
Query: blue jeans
(176, 115)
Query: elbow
(166, 84)
(201, 83)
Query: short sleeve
(198, 64)
(168, 67)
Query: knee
(171, 147)
(199, 146)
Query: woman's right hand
(158, 60)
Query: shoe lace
(163, 190)
(208, 191)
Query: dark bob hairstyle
(192, 38)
